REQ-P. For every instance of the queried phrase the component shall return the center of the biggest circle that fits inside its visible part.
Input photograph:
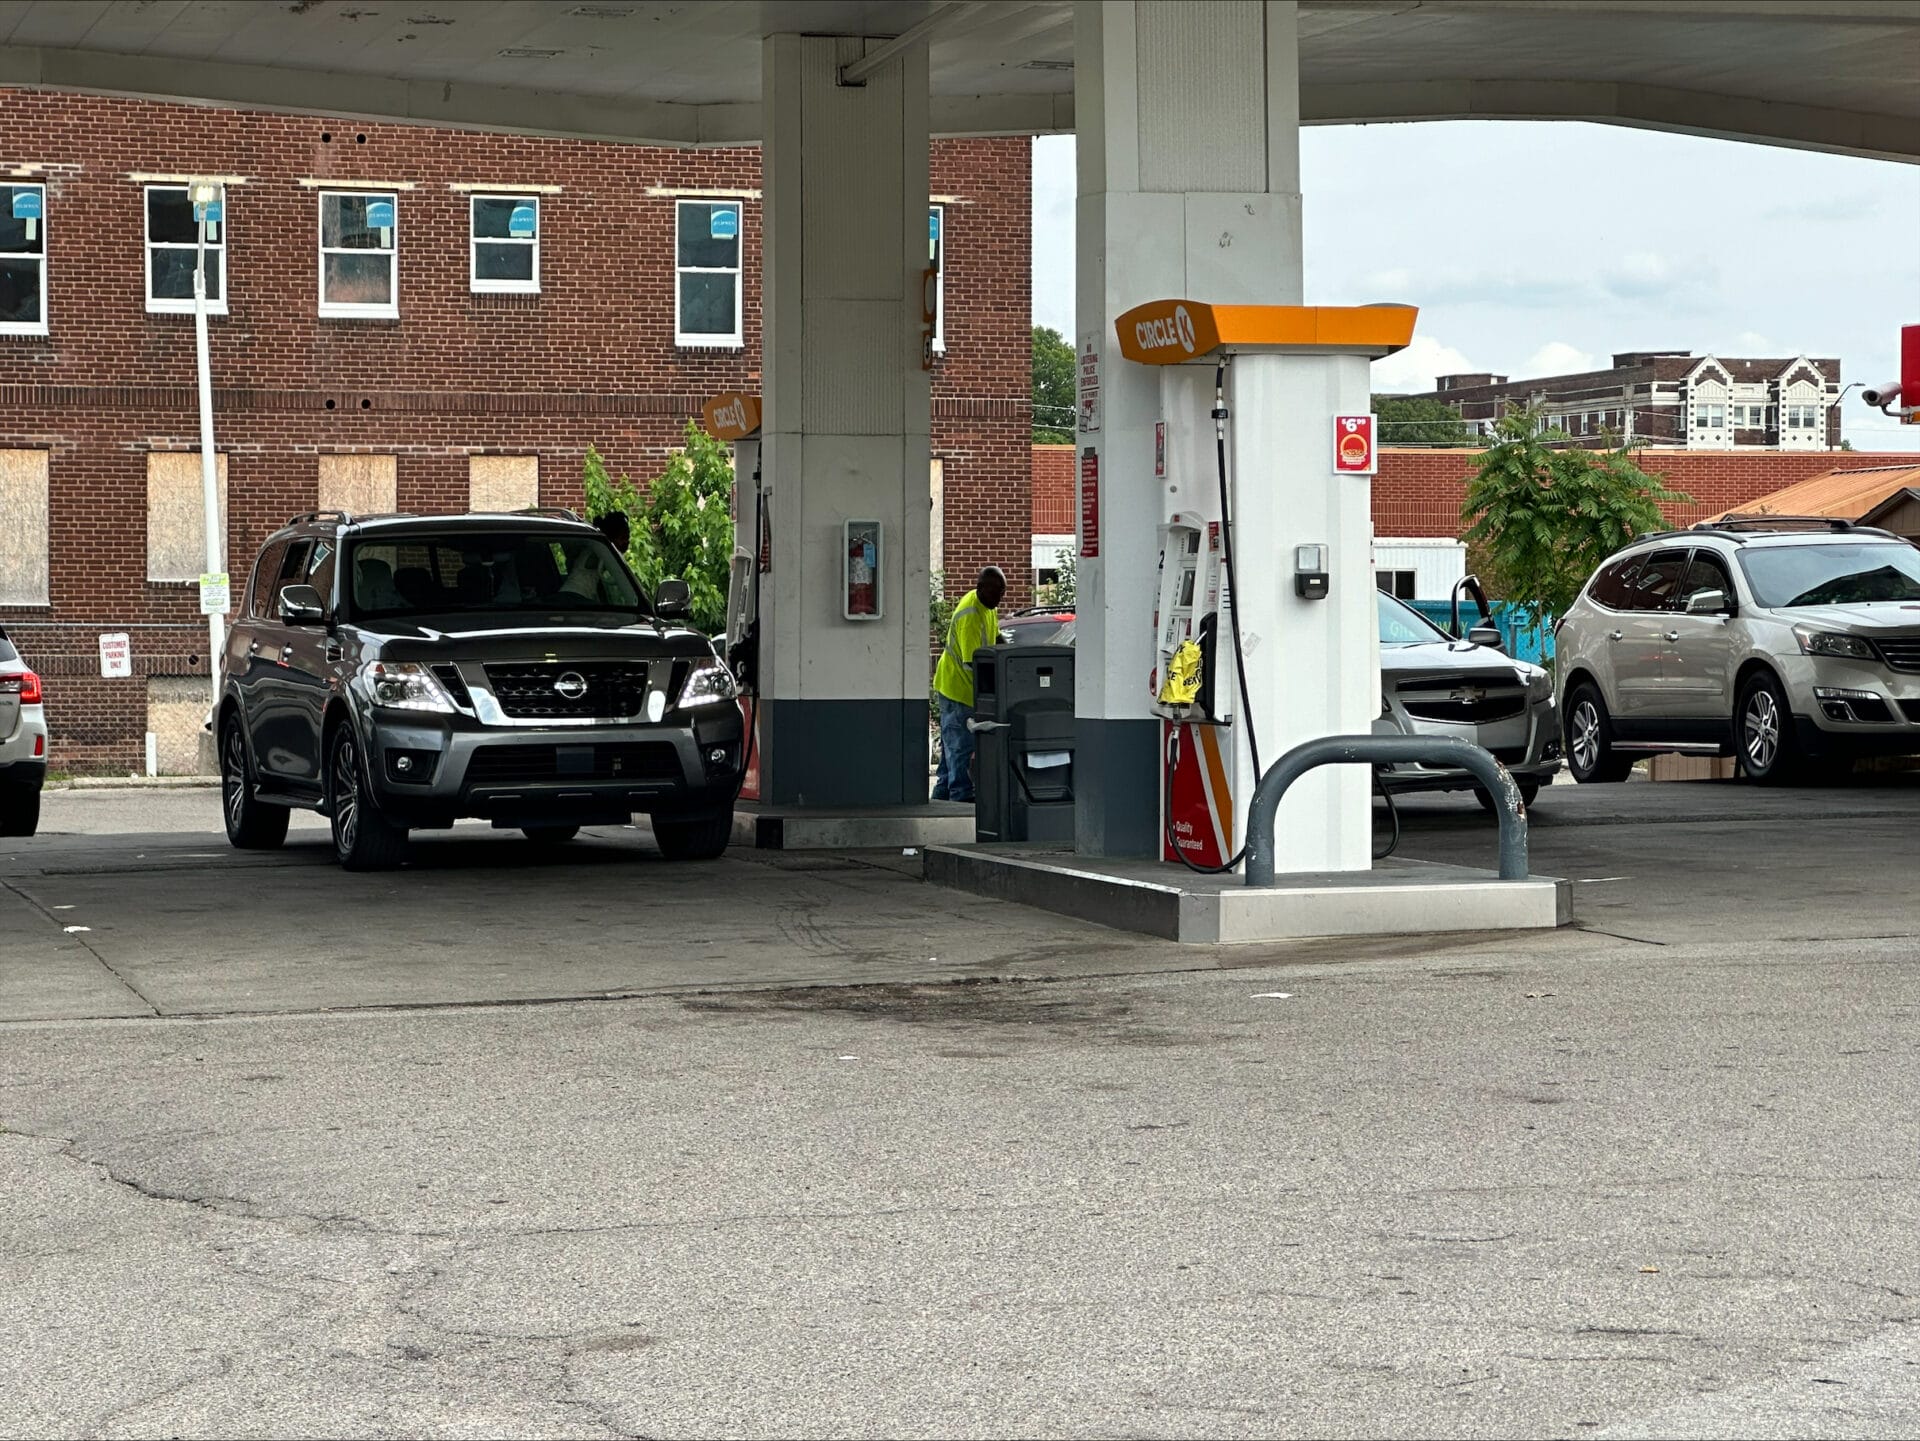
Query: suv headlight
(1826, 642)
(710, 682)
(405, 685)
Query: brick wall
(1054, 498)
(590, 360)
(1418, 492)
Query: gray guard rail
(1373, 750)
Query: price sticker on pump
(1354, 451)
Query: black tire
(19, 810)
(363, 838)
(550, 835)
(693, 838)
(1528, 790)
(252, 825)
(1763, 734)
(1591, 757)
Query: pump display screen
(1186, 588)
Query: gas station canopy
(1818, 74)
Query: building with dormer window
(1668, 398)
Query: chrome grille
(1902, 652)
(532, 691)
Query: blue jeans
(956, 753)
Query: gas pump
(735, 417)
(1251, 659)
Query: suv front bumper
(429, 771)
(1845, 707)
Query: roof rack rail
(556, 512)
(1834, 525)
(345, 517)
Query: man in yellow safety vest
(976, 622)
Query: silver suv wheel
(1585, 730)
(1760, 729)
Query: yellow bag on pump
(1182, 684)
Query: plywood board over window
(176, 515)
(358, 484)
(23, 527)
(502, 482)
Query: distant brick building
(1668, 398)
(407, 318)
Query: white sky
(1536, 249)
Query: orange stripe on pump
(1219, 792)
(1169, 332)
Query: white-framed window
(359, 253)
(1803, 417)
(1400, 584)
(505, 248)
(1710, 417)
(23, 260)
(706, 301)
(172, 253)
(937, 258)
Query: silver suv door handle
(253, 647)
(1616, 635)
(1673, 635)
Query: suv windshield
(1403, 625)
(1793, 575)
(488, 571)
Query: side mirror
(1488, 636)
(1709, 602)
(673, 600)
(301, 605)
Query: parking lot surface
(592, 1145)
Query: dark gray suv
(403, 672)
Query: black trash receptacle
(1023, 734)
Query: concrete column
(1188, 118)
(845, 422)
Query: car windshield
(1401, 624)
(491, 572)
(1784, 576)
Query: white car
(23, 743)
(1432, 684)
(1791, 644)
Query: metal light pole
(206, 197)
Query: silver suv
(1791, 644)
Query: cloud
(1642, 275)
(1415, 368)
(1557, 357)
(1827, 209)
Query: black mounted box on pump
(1023, 730)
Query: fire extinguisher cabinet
(1023, 734)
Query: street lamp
(1841, 397)
(208, 199)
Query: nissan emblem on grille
(571, 685)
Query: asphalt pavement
(592, 1145)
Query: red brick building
(407, 318)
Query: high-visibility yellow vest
(973, 626)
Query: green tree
(1063, 592)
(682, 526)
(1545, 518)
(1409, 420)
(1054, 406)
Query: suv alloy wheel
(1589, 741)
(363, 839)
(1764, 729)
(252, 825)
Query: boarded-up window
(23, 527)
(176, 515)
(358, 484)
(503, 482)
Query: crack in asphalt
(79, 938)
